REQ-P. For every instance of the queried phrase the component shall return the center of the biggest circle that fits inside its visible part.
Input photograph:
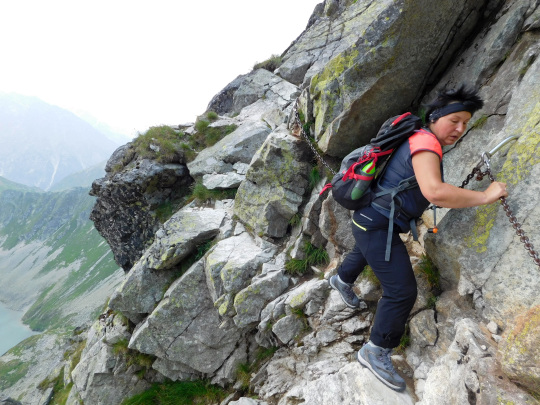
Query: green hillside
(6, 184)
(71, 259)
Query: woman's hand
(495, 191)
(427, 170)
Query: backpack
(352, 187)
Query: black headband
(449, 109)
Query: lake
(12, 330)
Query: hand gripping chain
(515, 224)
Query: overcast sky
(135, 64)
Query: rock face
(471, 335)
(373, 59)
(128, 197)
(275, 184)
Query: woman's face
(451, 127)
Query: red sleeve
(424, 140)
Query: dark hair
(466, 98)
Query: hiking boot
(345, 290)
(378, 360)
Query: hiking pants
(396, 276)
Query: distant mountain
(6, 184)
(41, 144)
(84, 178)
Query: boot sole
(341, 296)
(366, 364)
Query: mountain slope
(55, 262)
(42, 143)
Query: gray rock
(145, 284)
(103, 375)
(355, 92)
(288, 328)
(233, 262)
(238, 146)
(248, 401)
(250, 301)
(480, 248)
(275, 184)
(520, 354)
(423, 329)
(128, 197)
(335, 225)
(184, 318)
(222, 181)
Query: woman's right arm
(428, 175)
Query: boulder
(275, 184)
(250, 301)
(356, 91)
(187, 314)
(184, 319)
(239, 146)
(179, 237)
(520, 353)
(105, 374)
(128, 198)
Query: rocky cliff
(201, 313)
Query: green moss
(325, 88)
(484, 221)
(297, 300)
(314, 177)
(368, 274)
(521, 332)
(334, 69)
(212, 116)
(480, 122)
(60, 392)
(404, 341)
(245, 370)
(523, 154)
(165, 210)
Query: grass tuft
(270, 64)
(203, 194)
(161, 143)
(430, 272)
(179, 393)
(313, 257)
(245, 370)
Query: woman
(420, 156)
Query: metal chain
(476, 172)
(300, 127)
(513, 220)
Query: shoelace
(350, 293)
(386, 360)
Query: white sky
(135, 64)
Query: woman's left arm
(428, 175)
